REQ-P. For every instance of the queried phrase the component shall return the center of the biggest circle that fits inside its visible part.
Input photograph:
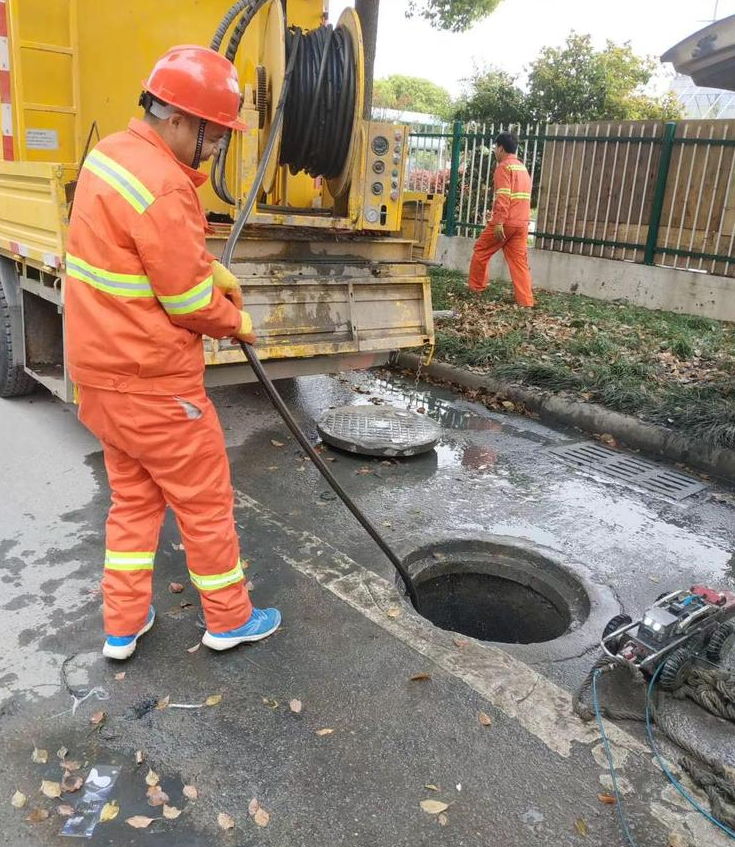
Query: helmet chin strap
(200, 143)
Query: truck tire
(14, 381)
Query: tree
(455, 15)
(493, 97)
(410, 93)
(576, 83)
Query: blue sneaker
(122, 647)
(262, 623)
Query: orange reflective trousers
(163, 450)
(515, 250)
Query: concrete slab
(349, 645)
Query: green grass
(670, 369)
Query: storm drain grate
(630, 469)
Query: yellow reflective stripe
(120, 285)
(216, 581)
(119, 178)
(516, 167)
(195, 298)
(116, 560)
(520, 195)
(502, 190)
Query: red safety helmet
(198, 81)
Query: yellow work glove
(227, 283)
(246, 333)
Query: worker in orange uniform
(141, 290)
(507, 228)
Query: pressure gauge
(372, 216)
(377, 188)
(379, 166)
(381, 145)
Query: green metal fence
(640, 191)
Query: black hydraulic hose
(323, 469)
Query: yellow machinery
(330, 256)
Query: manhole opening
(499, 593)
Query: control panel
(384, 169)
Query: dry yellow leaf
(190, 792)
(484, 719)
(296, 706)
(18, 800)
(152, 778)
(443, 819)
(225, 821)
(138, 757)
(253, 806)
(40, 757)
(261, 817)
(431, 787)
(120, 676)
(71, 783)
(37, 815)
(581, 826)
(65, 811)
(393, 612)
(62, 753)
(276, 443)
(97, 718)
(163, 704)
(109, 812)
(139, 821)
(71, 765)
(421, 677)
(607, 799)
(171, 812)
(323, 732)
(157, 796)
(51, 789)
(433, 807)
(214, 700)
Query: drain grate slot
(630, 469)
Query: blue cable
(672, 779)
(608, 752)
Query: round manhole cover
(379, 431)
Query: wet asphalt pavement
(349, 644)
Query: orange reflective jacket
(139, 292)
(512, 202)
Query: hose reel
(318, 127)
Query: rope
(720, 791)
(711, 688)
(606, 664)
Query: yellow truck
(332, 263)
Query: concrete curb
(592, 418)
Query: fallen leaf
(18, 800)
(277, 443)
(253, 807)
(152, 778)
(40, 757)
(507, 404)
(214, 700)
(484, 719)
(655, 579)
(157, 796)
(225, 821)
(138, 757)
(431, 787)
(581, 826)
(163, 703)
(71, 765)
(271, 704)
(296, 706)
(65, 811)
(109, 811)
(70, 783)
(443, 819)
(38, 815)
(434, 807)
(676, 839)
(607, 799)
(175, 587)
(50, 788)
(96, 718)
(171, 812)
(194, 648)
(120, 676)
(608, 439)
(388, 524)
(331, 459)
(363, 471)
(190, 792)
(62, 753)
(421, 677)
(139, 821)
(393, 612)
(323, 732)
(261, 817)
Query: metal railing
(642, 191)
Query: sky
(514, 34)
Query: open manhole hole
(493, 591)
